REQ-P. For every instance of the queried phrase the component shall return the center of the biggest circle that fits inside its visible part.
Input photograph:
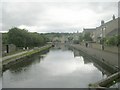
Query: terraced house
(107, 29)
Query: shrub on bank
(112, 41)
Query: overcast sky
(54, 16)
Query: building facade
(107, 29)
(88, 30)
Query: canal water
(60, 67)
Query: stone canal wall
(109, 80)
(112, 49)
(6, 63)
(108, 58)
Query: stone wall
(113, 49)
(11, 48)
(107, 58)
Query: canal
(56, 68)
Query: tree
(76, 42)
(70, 39)
(113, 40)
(87, 37)
(4, 38)
(23, 38)
(18, 37)
(80, 38)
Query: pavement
(20, 53)
(108, 57)
(17, 54)
(10, 56)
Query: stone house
(88, 30)
(107, 29)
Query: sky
(55, 16)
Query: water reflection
(60, 67)
(103, 68)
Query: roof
(89, 29)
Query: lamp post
(102, 39)
(103, 33)
(103, 28)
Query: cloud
(0, 16)
(56, 16)
(59, 1)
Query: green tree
(80, 38)
(113, 40)
(23, 38)
(18, 37)
(70, 38)
(4, 38)
(87, 37)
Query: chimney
(113, 17)
(102, 22)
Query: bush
(76, 41)
(113, 41)
(87, 37)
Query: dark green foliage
(23, 38)
(118, 38)
(18, 37)
(70, 39)
(87, 37)
(80, 38)
(4, 38)
(113, 40)
(76, 41)
(102, 41)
